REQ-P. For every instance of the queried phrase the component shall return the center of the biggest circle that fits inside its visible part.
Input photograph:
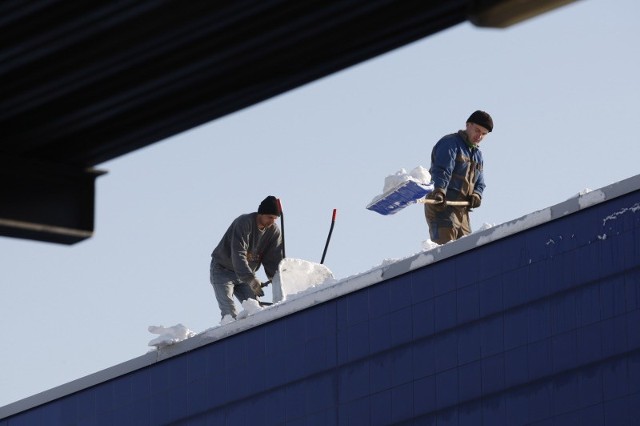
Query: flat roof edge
(325, 293)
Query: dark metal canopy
(85, 82)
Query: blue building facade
(535, 322)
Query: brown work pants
(448, 223)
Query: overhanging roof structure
(86, 82)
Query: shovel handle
(281, 225)
(333, 222)
(449, 203)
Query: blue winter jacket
(456, 167)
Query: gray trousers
(225, 285)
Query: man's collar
(465, 138)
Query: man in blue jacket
(456, 172)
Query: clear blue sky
(564, 93)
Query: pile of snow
(428, 245)
(296, 276)
(419, 175)
(169, 335)
(249, 307)
(401, 190)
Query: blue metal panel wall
(539, 328)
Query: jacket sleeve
(239, 247)
(273, 254)
(479, 185)
(443, 158)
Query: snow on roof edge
(335, 290)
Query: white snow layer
(529, 221)
(391, 182)
(418, 174)
(296, 276)
(169, 335)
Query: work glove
(256, 286)
(475, 200)
(438, 196)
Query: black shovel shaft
(266, 283)
(333, 222)
(281, 225)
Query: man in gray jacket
(252, 240)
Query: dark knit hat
(269, 206)
(481, 118)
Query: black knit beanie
(481, 118)
(269, 206)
